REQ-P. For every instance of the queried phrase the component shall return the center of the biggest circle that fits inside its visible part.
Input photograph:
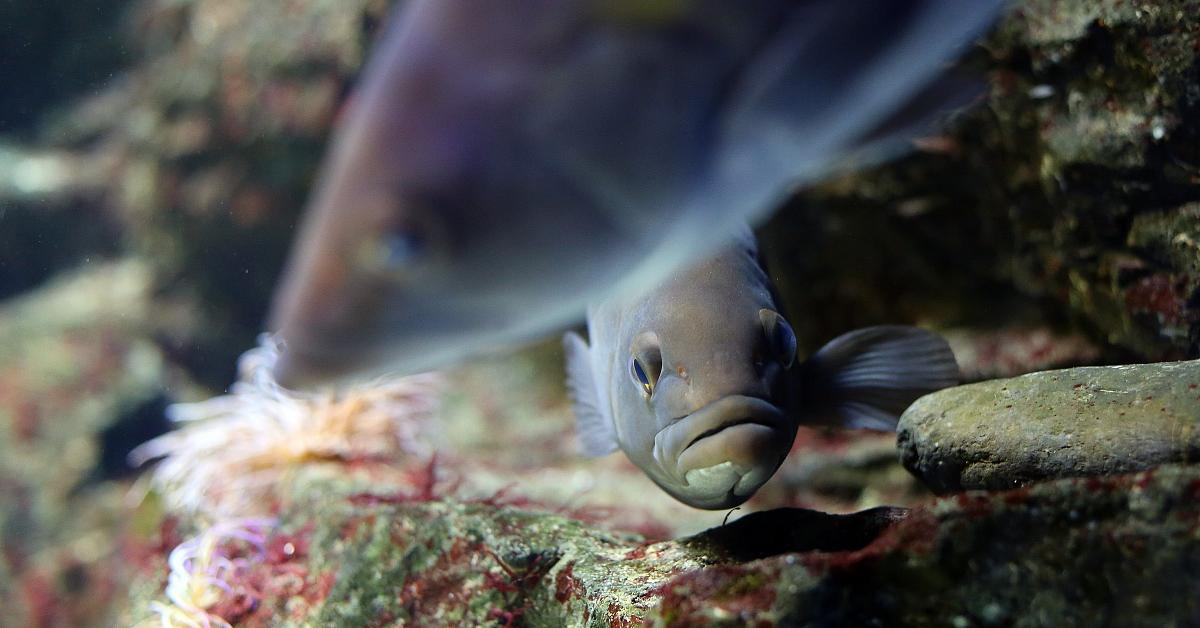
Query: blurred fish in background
(504, 164)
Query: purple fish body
(505, 163)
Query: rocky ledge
(1059, 553)
(1082, 421)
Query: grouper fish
(503, 163)
(697, 380)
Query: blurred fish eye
(403, 248)
(645, 370)
(780, 338)
(399, 249)
(393, 252)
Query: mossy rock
(1084, 421)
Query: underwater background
(154, 159)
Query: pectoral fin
(593, 427)
(866, 378)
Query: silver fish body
(504, 163)
(697, 380)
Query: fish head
(410, 281)
(701, 408)
(437, 230)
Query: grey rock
(1053, 424)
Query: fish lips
(720, 454)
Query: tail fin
(866, 378)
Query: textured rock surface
(198, 157)
(375, 558)
(1068, 198)
(77, 382)
(1063, 553)
(1052, 424)
(1060, 553)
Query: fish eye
(639, 373)
(780, 338)
(408, 234)
(645, 370)
(402, 248)
(394, 251)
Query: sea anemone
(210, 568)
(233, 449)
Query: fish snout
(719, 455)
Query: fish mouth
(723, 427)
(724, 451)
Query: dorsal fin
(594, 429)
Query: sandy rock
(1053, 424)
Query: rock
(197, 156)
(1012, 351)
(77, 375)
(1059, 553)
(1053, 424)
(369, 558)
(1068, 200)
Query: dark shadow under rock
(785, 530)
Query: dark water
(53, 50)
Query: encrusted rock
(1054, 424)
(78, 378)
(1059, 553)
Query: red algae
(284, 547)
(566, 585)
(506, 617)
(277, 575)
(424, 488)
(41, 600)
(1016, 496)
(444, 584)
(1159, 295)
(822, 439)
(27, 418)
(146, 554)
(975, 505)
(619, 620)
(737, 589)
(916, 533)
(1144, 479)
(425, 479)
(638, 552)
